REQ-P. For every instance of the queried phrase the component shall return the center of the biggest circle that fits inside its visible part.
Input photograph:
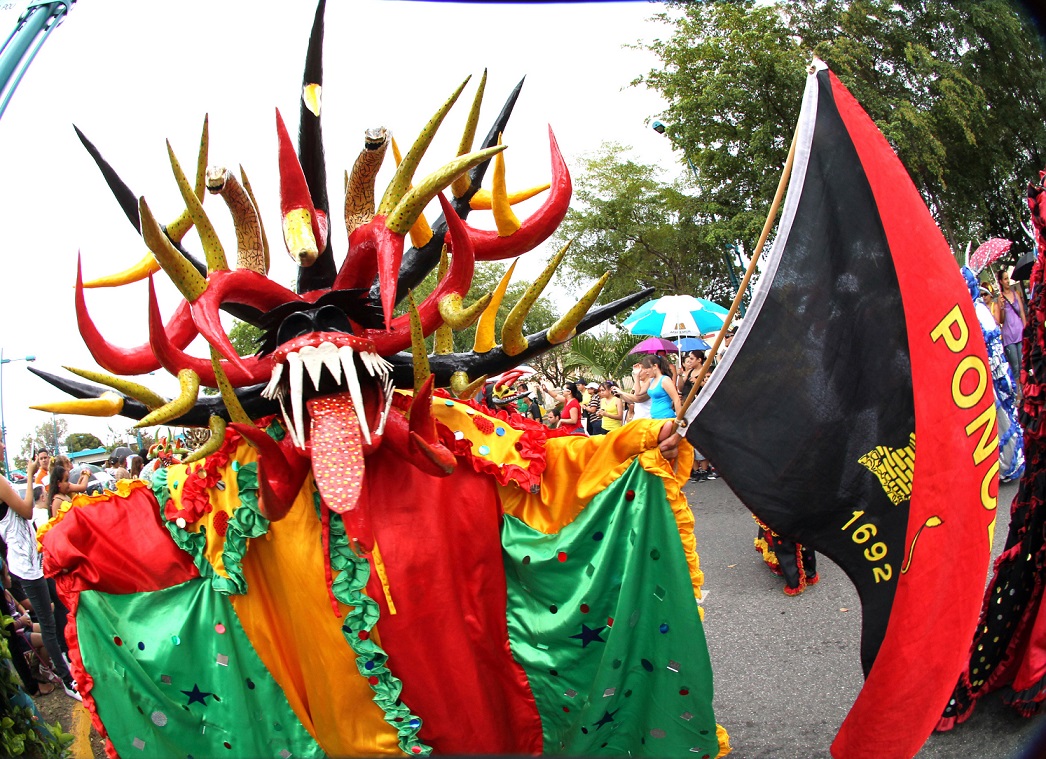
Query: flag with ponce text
(853, 412)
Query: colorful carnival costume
(1011, 439)
(486, 617)
(784, 557)
(1009, 646)
(362, 561)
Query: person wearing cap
(1009, 312)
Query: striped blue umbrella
(676, 316)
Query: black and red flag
(854, 413)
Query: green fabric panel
(603, 618)
(181, 678)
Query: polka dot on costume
(117, 640)
(459, 435)
(553, 608)
(372, 680)
(484, 450)
(176, 640)
(562, 556)
(415, 749)
(663, 628)
(141, 646)
(684, 691)
(250, 683)
(655, 554)
(415, 723)
(227, 744)
(500, 431)
(363, 635)
(597, 535)
(219, 628)
(584, 608)
(630, 495)
(448, 403)
(647, 665)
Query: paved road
(787, 669)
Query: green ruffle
(246, 522)
(353, 573)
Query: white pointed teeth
(274, 383)
(355, 391)
(295, 366)
(340, 363)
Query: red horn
(250, 370)
(538, 226)
(458, 280)
(294, 189)
(180, 331)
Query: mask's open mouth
(324, 365)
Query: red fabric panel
(115, 546)
(937, 602)
(439, 539)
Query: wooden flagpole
(781, 185)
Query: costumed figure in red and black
(1008, 653)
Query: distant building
(97, 456)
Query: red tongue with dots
(337, 451)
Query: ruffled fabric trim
(530, 447)
(246, 521)
(371, 659)
(123, 489)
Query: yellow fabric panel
(459, 418)
(579, 467)
(287, 614)
(576, 468)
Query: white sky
(131, 74)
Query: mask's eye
(293, 326)
(332, 319)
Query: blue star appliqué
(588, 635)
(607, 717)
(196, 696)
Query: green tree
(646, 233)
(46, 435)
(245, 338)
(81, 441)
(958, 89)
(484, 280)
(601, 357)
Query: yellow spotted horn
(485, 329)
(401, 180)
(403, 216)
(461, 185)
(178, 228)
(563, 329)
(212, 246)
(458, 317)
(189, 391)
(134, 390)
(443, 342)
(108, 404)
(418, 348)
(190, 282)
(229, 398)
(459, 383)
(420, 231)
(512, 340)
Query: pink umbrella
(989, 252)
(655, 344)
